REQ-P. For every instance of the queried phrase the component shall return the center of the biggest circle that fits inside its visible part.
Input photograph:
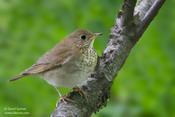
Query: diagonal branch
(131, 22)
(149, 16)
(126, 13)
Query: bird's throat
(92, 43)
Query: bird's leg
(78, 90)
(58, 92)
(60, 96)
(64, 99)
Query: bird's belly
(63, 78)
(74, 72)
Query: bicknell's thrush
(69, 63)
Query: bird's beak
(98, 34)
(94, 37)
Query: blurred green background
(145, 87)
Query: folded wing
(54, 58)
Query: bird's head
(83, 38)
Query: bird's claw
(64, 99)
(82, 94)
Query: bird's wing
(55, 58)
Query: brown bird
(69, 63)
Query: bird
(69, 63)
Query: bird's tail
(18, 77)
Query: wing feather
(54, 58)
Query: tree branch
(149, 16)
(130, 24)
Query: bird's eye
(83, 37)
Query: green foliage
(28, 28)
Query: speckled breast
(88, 60)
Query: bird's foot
(64, 99)
(82, 94)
